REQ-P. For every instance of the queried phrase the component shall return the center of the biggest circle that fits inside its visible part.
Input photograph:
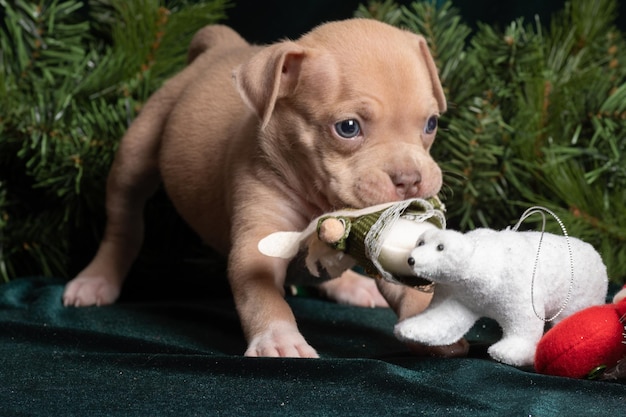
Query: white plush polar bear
(486, 273)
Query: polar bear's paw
(514, 351)
(417, 329)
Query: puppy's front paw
(85, 291)
(280, 340)
(354, 289)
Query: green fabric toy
(378, 238)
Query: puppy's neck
(304, 193)
(293, 175)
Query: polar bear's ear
(281, 244)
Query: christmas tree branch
(73, 75)
(537, 116)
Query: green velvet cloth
(177, 357)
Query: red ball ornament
(583, 342)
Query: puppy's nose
(406, 183)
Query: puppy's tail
(211, 36)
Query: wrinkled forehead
(395, 76)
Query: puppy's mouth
(419, 283)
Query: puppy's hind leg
(133, 178)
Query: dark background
(269, 21)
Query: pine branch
(386, 11)
(445, 32)
(536, 117)
(74, 74)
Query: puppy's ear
(432, 70)
(268, 76)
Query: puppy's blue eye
(348, 129)
(431, 125)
